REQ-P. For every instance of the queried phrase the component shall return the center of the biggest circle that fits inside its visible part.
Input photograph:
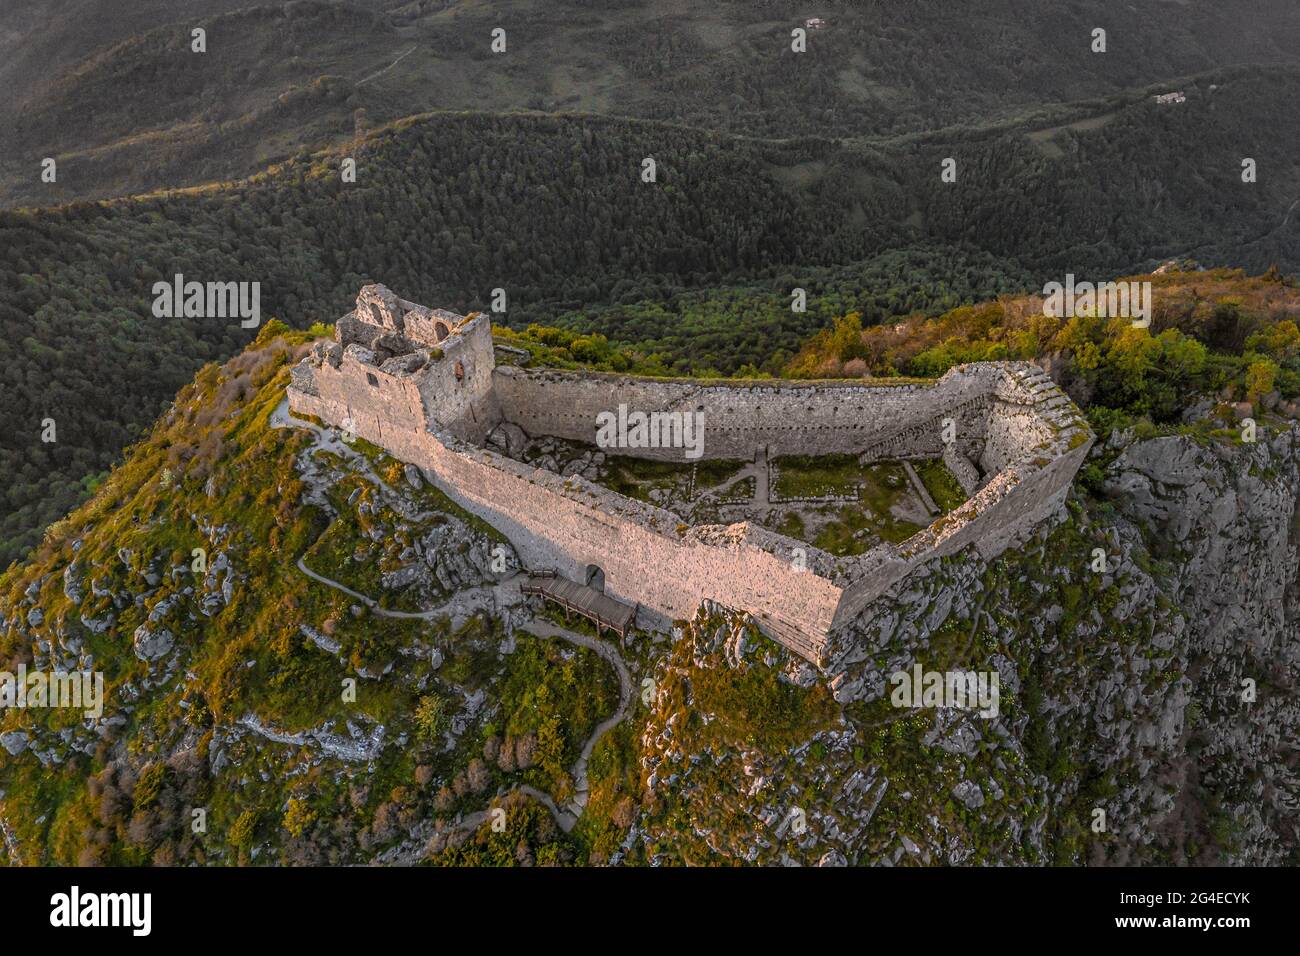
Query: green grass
(883, 484)
(752, 705)
(791, 524)
(837, 537)
(805, 476)
(742, 490)
(638, 477)
(942, 484)
(711, 472)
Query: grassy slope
(213, 475)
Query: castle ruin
(424, 385)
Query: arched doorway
(596, 577)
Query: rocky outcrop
(151, 644)
(1147, 640)
(808, 804)
(1229, 518)
(72, 584)
(357, 745)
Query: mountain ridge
(729, 68)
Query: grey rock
(72, 587)
(151, 645)
(970, 794)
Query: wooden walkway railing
(601, 609)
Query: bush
(430, 717)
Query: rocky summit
(316, 640)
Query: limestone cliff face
(1128, 685)
(1125, 733)
(1226, 522)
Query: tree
(624, 814)
(242, 831)
(430, 717)
(525, 751)
(477, 775)
(1259, 378)
(1280, 341)
(149, 785)
(298, 816)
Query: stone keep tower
(396, 365)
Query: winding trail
(379, 73)
(504, 593)
(1287, 217)
(582, 790)
(483, 597)
(565, 816)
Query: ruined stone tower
(396, 365)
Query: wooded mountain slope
(113, 92)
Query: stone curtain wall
(878, 420)
(648, 555)
(1019, 423)
(959, 463)
(924, 438)
(390, 406)
(789, 418)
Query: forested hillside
(113, 92)
(1221, 346)
(1131, 181)
(147, 112)
(750, 328)
(554, 210)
